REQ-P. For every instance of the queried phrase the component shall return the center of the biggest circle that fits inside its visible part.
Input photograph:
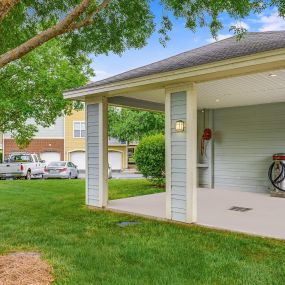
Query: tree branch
(6, 6)
(90, 18)
(66, 25)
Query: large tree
(102, 26)
(31, 89)
(132, 125)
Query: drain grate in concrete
(128, 223)
(240, 209)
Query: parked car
(22, 165)
(61, 169)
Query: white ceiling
(245, 90)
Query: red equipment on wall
(207, 135)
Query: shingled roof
(251, 43)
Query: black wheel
(29, 175)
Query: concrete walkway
(267, 217)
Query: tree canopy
(132, 125)
(31, 89)
(109, 25)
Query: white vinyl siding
(79, 129)
(178, 158)
(55, 131)
(245, 140)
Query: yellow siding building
(74, 144)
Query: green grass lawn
(88, 247)
(123, 188)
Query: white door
(50, 156)
(78, 158)
(115, 160)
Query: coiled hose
(280, 178)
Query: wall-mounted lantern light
(179, 126)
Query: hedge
(150, 158)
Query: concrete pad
(267, 217)
(148, 205)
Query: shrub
(150, 158)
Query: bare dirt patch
(24, 268)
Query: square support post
(181, 153)
(97, 152)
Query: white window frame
(81, 129)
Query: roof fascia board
(199, 73)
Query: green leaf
(31, 89)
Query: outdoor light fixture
(179, 126)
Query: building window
(79, 129)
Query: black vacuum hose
(280, 178)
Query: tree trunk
(59, 29)
(66, 25)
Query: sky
(182, 39)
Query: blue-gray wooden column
(97, 152)
(181, 153)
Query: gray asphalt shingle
(251, 43)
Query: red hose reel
(207, 135)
